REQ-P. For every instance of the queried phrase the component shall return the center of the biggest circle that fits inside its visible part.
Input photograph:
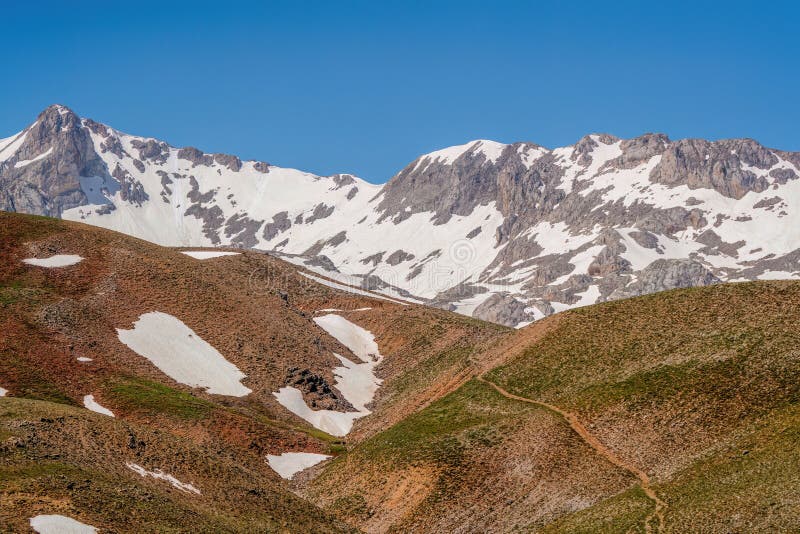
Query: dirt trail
(602, 450)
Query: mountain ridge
(513, 232)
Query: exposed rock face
(668, 274)
(195, 156)
(505, 232)
(503, 309)
(43, 176)
(702, 164)
(151, 150)
(317, 391)
(280, 223)
(231, 162)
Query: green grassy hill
(697, 388)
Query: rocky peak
(57, 118)
(717, 165)
(640, 150)
(582, 150)
(43, 175)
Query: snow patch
(207, 254)
(3, 392)
(354, 290)
(93, 405)
(59, 260)
(289, 464)
(356, 381)
(777, 275)
(10, 145)
(59, 524)
(161, 475)
(25, 162)
(181, 354)
(334, 423)
(83, 359)
(352, 336)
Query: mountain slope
(584, 421)
(696, 388)
(59, 459)
(513, 233)
(195, 397)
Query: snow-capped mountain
(508, 233)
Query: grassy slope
(59, 459)
(49, 317)
(698, 387)
(256, 310)
(472, 460)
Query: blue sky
(365, 87)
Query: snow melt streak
(160, 475)
(93, 405)
(181, 354)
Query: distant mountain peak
(510, 232)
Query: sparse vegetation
(145, 396)
(699, 388)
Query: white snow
(59, 524)
(59, 260)
(181, 354)
(349, 289)
(83, 359)
(777, 275)
(329, 310)
(557, 238)
(207, 254)
(25, 162)
(356, 381)
(330, 421)
(352, 336)
(3, 392)
(289, 464)
(161, 475)
(93, 405)
(447, 156)
(10, 145)
(588, 297)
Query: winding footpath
(592, 441)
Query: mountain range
(508, 233)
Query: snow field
(59, 260)
(289, 464)
(182, 355)
(59, 524)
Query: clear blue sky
(365, 87)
